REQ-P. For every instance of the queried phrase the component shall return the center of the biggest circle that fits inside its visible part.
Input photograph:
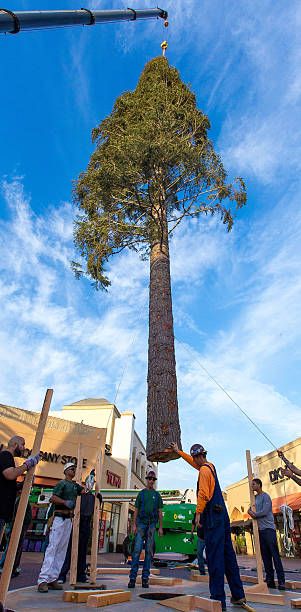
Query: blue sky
(236, 297)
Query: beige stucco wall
(60, 441)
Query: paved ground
(28, 599)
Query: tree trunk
(162, 404)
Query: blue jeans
(147, 533)
(270, 552)
(200, 550)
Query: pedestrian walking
(267, 536)
(221, 558)
(148, 510)
(63, 498)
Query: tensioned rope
(286, 510)
(226, 392)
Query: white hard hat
(69, 465)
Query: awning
(293, 500)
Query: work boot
(271, 585)
(55, 586)
(132, 584)
(238, 602)
(43, 587)
(145, 584)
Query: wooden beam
(95, 528)
(123, 570)
(161, 580)
(185, 603)
(199, 578)
(76, 519)
(252, 579)
(264, 598)
(293, 584)
(19, 519)
(98, 601)
(82, 596)
(254, 522)
(262, 587)
(296, 603)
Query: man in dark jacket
(8, 477)
(87, 503)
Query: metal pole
(13, 22)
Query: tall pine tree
(153, 166)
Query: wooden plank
(18, 523)
(199, 578)
(161, 580)
(264, 598)
(209, 605)
(293, 584)
(255, 524)
(249, 579)
(123, 570)
(296, 603)
(258, 588)
(98, 601)
(82, 596)
(76, 519)
(95, 528)
(185, 603)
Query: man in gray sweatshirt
(267, 536)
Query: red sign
(113, 479)
(102, 530)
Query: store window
(109, 526)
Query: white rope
(288, 523)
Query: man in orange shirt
(220, 555)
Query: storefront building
(96, 424)
(281, 490)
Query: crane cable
(287, 512)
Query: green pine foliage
(153, 160)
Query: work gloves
(32, 461)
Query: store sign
(113, 479)
(276, 476)
(51, 457)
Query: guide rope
(228, 394)
(287, 512)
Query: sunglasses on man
(151, 478)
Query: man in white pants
(64, 497)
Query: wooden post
(255, 525)
(75, 528)
(18, 523)
(95, 529)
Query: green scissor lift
(177, 528)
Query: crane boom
(13, 22)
